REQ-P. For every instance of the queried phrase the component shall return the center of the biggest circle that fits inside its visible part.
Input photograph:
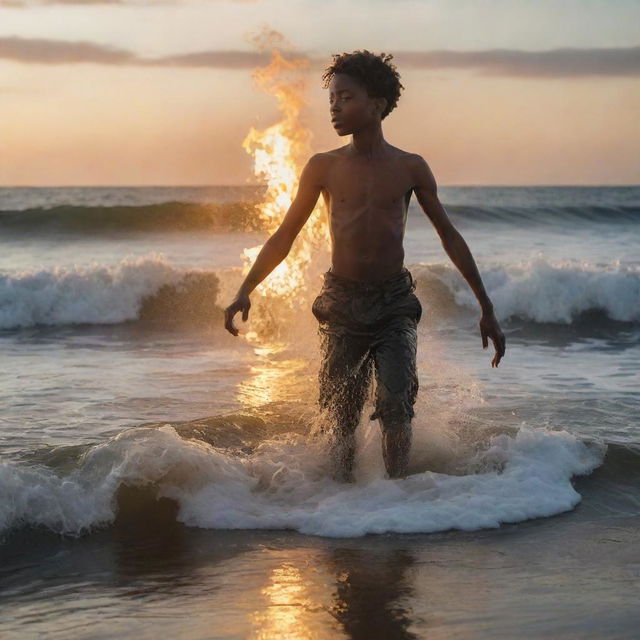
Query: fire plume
(279, 152)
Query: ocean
(158, 475)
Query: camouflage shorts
(365, 326)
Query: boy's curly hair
(376, 73)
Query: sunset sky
(154, 92)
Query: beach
(161, 476)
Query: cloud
(26, 4)
(555, 63)
(43, 51)
(212, 59)
(56, 52)
(510, 62)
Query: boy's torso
(367, 199)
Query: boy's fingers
(485, 342)
(228, 321)
(245, 315)
(499, 345)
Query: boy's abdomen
(367, 242)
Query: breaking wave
(540, 291)
(150, 289)
(282, 483)
(144, 289)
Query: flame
(278, 152)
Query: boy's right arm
(277, 247)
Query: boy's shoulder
(343, 152)
(331, 154)
(321, 165)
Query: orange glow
(93, 125)
(278, 153)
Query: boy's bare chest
(358, 186)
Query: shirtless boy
(367, 311)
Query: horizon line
(208, 186)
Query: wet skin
(367, 185)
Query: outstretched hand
(240, 303)
(489, 328)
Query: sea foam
(542, 291)
(151, 287)
(284, 484)
(94, 294)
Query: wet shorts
(364, 326)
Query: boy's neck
(369, 142)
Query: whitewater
(537, 291)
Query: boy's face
(350, 106)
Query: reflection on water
(274, 379)
(373, 590)
(338, 593)
(151, 578)
(288, 603)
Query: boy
(367, 311)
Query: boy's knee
(394, 410)
(395, 424)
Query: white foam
(284, 484)
(94, 294)
(538, 290)
(548, 292)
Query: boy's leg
(394, 353)
(344, 378)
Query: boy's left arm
(454, 244)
